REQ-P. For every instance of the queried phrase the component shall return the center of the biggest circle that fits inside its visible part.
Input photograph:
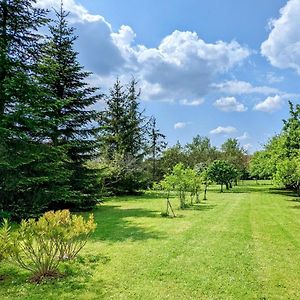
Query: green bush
(4, 239)
(39, 246)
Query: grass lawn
(243, 244)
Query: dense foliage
(39, 246)
(280, 159)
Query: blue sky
(219, 68)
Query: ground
(243, 244)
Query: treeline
(56, 151)
(280, 159)
(200, 153)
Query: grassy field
(243, 244)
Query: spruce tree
(123, 137)
(28, 165)
(67, 103)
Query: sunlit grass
(242, 244)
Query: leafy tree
(234, 154)
(259, 167)
(222, 172)
(171, 157)
(200, 151)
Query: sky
(217, 68)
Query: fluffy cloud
(181, 66)
(223, 130)
(236, 87)
(282, 48)
(270, 104)
(195, 102)
(229, 104)
(180, 125)
(78, 12)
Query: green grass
(243, 244)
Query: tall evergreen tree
(27, 165)
(67, 102)
(123, 136)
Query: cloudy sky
(220, 68)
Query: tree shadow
(114, 226)
(200, 207)
(284, 192)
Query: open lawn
(243, 244)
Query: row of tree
(280, 158)
(200, 153)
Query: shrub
(4, 239)
(39, 246)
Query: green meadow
(242, 244)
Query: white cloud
(195, 102)
(78, 12)
(230, 104)
(270, 104)
(223, 130)
(236, 87)
(180, 125)
(181, 66)
(245, 136)
(282, 48)
(273, 78)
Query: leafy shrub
(39, 246)
(4, 239)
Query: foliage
(4, 239)
(123, 138)
(28, 166)
(280, 157)
(67, 100)
(222, 172)
(39, 246)
(183, 180)
(234, 154)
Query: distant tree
(123, 138)
(172, 156)
(222, 173)
(156, 146)
(259, 167)
(200, 151)
(234, 154)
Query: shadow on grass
(114, 226)
(200, 207)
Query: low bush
(4, 239)
(40, 245)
